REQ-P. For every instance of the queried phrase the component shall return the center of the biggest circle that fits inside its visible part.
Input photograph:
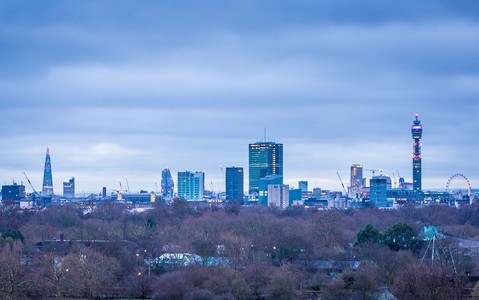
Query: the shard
(47, 188)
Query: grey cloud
(190, 88)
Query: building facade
(234, 183)
(416, 132)
(264, 182)
(191, 186)
(278, 195)
(303, 185)
(69, 188)
(357, 180)
(167, 184)
(14, 192)
(265, 158)
(378, 191)
(47, 187)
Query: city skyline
(116, 89)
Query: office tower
(357, 180)
(167, 183)
(416, 131)
(235, 184)
(103, 192)
(265, 158)
(278, 195)
(47, 188)
(378, 186)
(303, 185)
(13, 192)
(69, 188)
(264, 182)
(191, 186)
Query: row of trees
(270, 253)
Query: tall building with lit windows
(265, 158)
(47, 187)
(357, 180)
(416, 132)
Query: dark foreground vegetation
(245, 253)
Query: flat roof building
(191, 186)
(265, 158)
(234, 184)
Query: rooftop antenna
(265, 134)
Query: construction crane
(127, 184)
(30, 183)
(34, 194)
(344, 188)
(222, 172)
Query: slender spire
(47, 188)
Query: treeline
(262, 253)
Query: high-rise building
(167, 184)
(416, 131)
(264, 182)
(191, 186)
(235, 184)
(303, 185)
(69, 188)
(13, 192)
(357, 180)
(378, 191)
(47, 188)
(265, 158)
(278, 195)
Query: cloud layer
(117, 89)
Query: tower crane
(30, 183)
(127, 184)
(344, 188)
(34, 194)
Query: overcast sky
(127, 88)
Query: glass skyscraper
(265, 158)
(191, 186)
(47, 188)
(235, 184)
(167, 184)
